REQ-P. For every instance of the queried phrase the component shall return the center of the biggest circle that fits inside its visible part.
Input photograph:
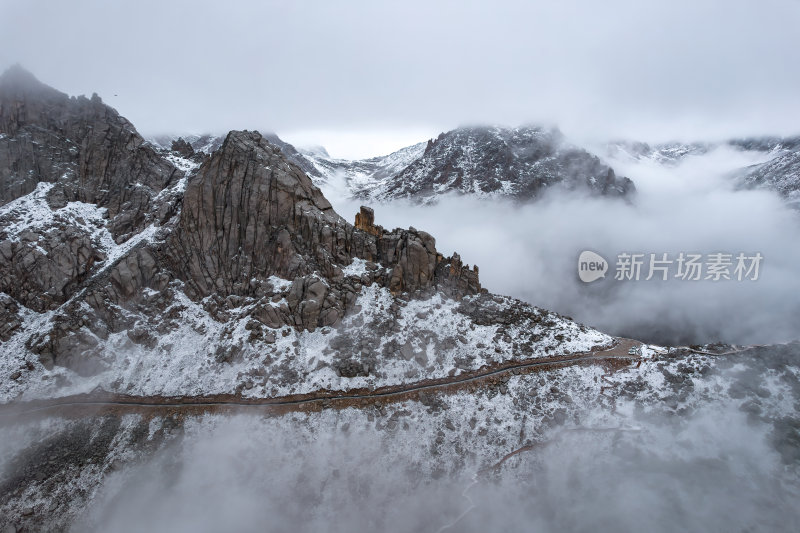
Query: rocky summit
(85, 149)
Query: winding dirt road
(106, 402)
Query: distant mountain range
(517, 163)
(488, 162)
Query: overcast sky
(365, 77)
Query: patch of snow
(279, 284)
(356, 269)
(182, 163)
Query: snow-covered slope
(780, 173)
(384, 342)
(779, 169)
(679, 441)
(366, 177)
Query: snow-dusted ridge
(775, 166)
(200, 355)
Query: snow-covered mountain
(149, 293)
(365, 178)
(665, 154)
(487, 162)
(519, 163)
(780, 173)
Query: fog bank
(531, 251)
(713, 471)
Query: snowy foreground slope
(679, 442)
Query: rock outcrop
(249, 214)
(91, 153)
(182, 147)
(365, 221)
(42, 270)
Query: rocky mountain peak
(17, 80)
(83, 147)
(248, 213)
(490, 161)
(182, 147)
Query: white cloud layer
(651, 70)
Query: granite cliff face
(83, 147)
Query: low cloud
(649, 473)
(530, 252)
